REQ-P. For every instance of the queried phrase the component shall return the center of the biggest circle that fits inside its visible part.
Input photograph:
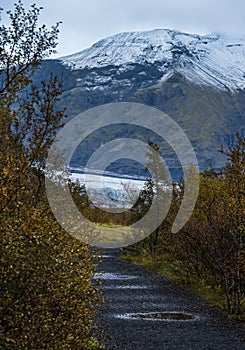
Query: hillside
(197, 80)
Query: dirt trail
(130, 289)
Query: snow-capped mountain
(199, 81)
(211, 60)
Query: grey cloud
(85, 22)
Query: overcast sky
(87, 21)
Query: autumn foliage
(47, 297)
(211, 246)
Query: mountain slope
(197, 80)
(212, 60)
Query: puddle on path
(112, 276)
(103, 256)
(126, 287)
(167, 316)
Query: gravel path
(130, 289)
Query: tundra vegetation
(47, 297)
(208, 253)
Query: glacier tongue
(213, 60)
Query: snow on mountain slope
(213, 60)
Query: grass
(111, 234)
(178, 276)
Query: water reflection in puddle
(103, 256)
(112, 276)
(167, 316)
(126, 287)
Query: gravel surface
(130, 289)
